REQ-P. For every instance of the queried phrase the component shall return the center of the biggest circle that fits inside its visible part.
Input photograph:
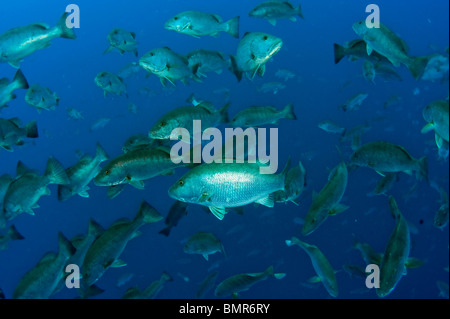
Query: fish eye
(265, 37)
(176, 18)
(152, 54)
(107, 172)
(181, 182)
(162, 124)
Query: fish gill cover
(84, 182)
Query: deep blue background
(68, 67)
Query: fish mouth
(275, 48)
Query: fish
(355, 50)
(81, 174)
(40, 282)
(203, 61)
(215, 186)
(28, 187)
(7, 88)
(392, 266)
(253, 52)
(41, 98)
(177, 211)
(272, 87)
(111, 83)
(185, 115)
(168, 65)
(204, 244)
(331, 127)
(274, 10)
(387, 43)
(441, 216)
(151, 291)
(295, 184)
(122, 41)
(327, 202)
(207, 284)
(254, 116)
(241, 282)
(81, 243)
(11, 234)
(137, 141)
(20, 42)
(129, 70)
(12, 134)
(436, 114)
(321, 265)
(107, 248)
(198, 24)
(369, 255)
(354, 103)
(437, 68)
(443, 289)
(74, 114)
(387, 72)
(369, 71)
(385, 184)
(136, 166)
(5, 180)
(99, 124)
(285, 74)
(385, 157)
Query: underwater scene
(254, 149)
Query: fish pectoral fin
(427, 128)
(369, 49)
(118, 263)
(293, 19)
(205, 256)
(439, 141)
(84, 194)
(219, 212)
(380, 173)
(15, 64)
(339, 208)
(136, 184)
(409, 172)
(137, 233)
(29, 211)
(267, 201)
(114, 191)
(262, 70)
(314, 280)
(272, 21)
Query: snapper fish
(273, 10)
(7, 88)
(20, 42)
(41, 98)
(198, 24)
(254, 50)
(123, 41)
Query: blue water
(68, 67)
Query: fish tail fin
(55, 172)
(233, 27)
(64, 30)
(14, 234)
(101, 153)
(417, 66)
(339, 53)
(422, 171)
(64, 193)
(65, 246)
(32, 130)
(20, 81)
(234, 68)
(165, 231)
(166, 277)
(148, 214)
(224, 113)
(289, 112)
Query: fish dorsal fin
(133, 35)
(207, 106)
(22, 169)
(50, 256)
(16, 121)
(121, 221)
(288, 4)
(245, 34)
(217, 18)
(42, 26)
